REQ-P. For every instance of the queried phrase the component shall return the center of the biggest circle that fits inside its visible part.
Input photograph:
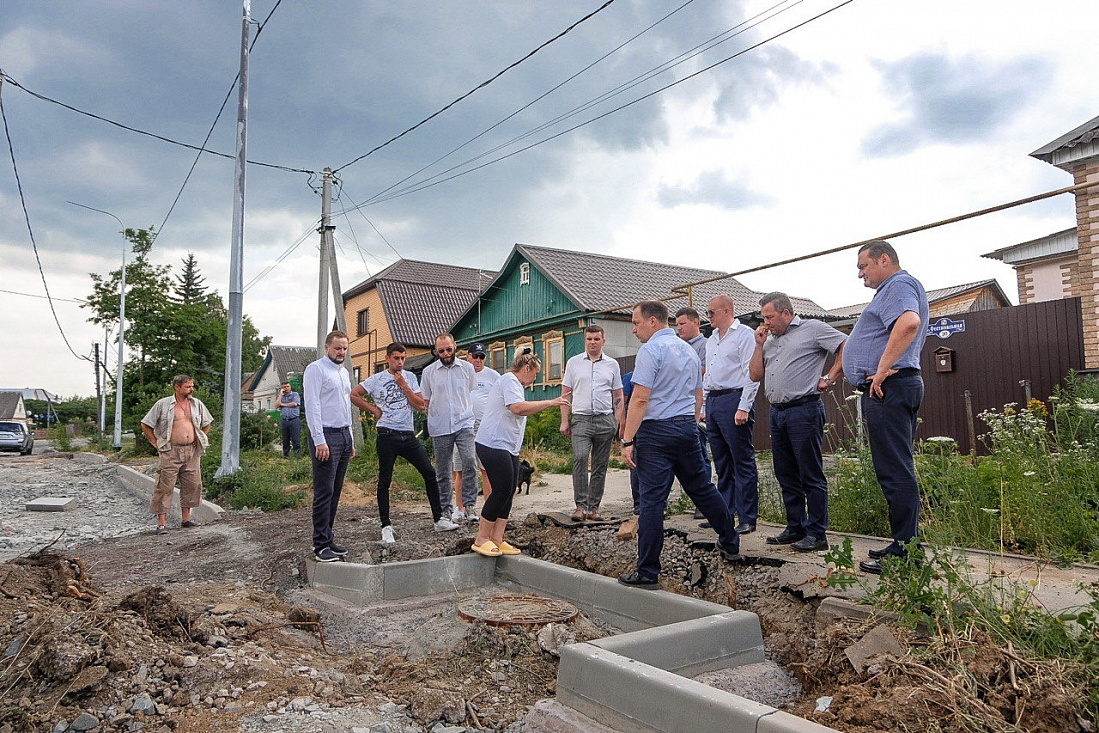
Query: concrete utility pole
(230, 434)
(328, 252)
(325, 263)
(106, 376)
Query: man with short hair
(447, 387)
(687, 327)
(881, 359)
(395, 393)
(593, 384)
(486, 376)
(730, 411)
(327, 386)
(177, 427)
(791, 352)
(289, 405)
(661, 441)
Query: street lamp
(117, 442)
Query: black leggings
(503, 471)
(391, 444)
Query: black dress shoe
(705, 525)
(636, 580)
(337, 549)
(871, 566)
(745, 528)
(880, 552)
(809, 543)
(785, 537)
(188, 524)
(730, 555)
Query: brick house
(1066, 264)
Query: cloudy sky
(873, 118)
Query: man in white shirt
(327, 387)
(593, 385)
(730, 413)
(447, 386)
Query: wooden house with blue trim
(544, 298)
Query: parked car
(16, 437)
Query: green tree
(173, 326)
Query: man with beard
(447, 386)
(328, 411)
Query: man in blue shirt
(661, 440)
(290, 420)
(881, 359)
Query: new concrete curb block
(364, 584)
(142, 486)
(630, 609)
(690, 648)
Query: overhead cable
(480, 86)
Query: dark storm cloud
(711, 188)
(953, 101)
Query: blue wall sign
(944, 328)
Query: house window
(498, 356)
(358, 374)
(362, 322)
(555, 356)
(524, 273)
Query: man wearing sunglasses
(447, 388)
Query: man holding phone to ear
(395, 392)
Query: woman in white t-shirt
(498, 442)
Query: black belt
(391, 431)
(900, 374)
(720, 392)
(292, 417)
(794, 403)
(335, 430)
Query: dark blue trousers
(890, 424)
(290, 429)
(796, 437)
(328, 482)
(665, 450)
(734, 455)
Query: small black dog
(526, 472)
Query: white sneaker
(387, 535)
(457, 515)
(445, 525)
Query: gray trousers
(444, 462)
(592, 437)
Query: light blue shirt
(382, 388)
(727, 360)
(289, 412)
(500, 427)
(670, 368)
(448, 391)
(327, 388)
(898, 294)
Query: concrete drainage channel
(634, 681)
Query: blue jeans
(665, 450)
(890, 423)
(328, 482)
(734, 455)
(796, 437)
(444, 463)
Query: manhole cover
(517, 610)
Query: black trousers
(393, 443)
(503, 472)
(328, 482)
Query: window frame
(524, 273)
(498, 347)
(549, 339)
(362, 322)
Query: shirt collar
(795, 322)
(588, 357)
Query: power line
(480, 86)
(217, 118)
(30, 230)
(531, 103)
(6, 77)
(35, 295)
(286, 253)
(424, 185)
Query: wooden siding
(508, 306)
(1039, 342)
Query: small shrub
(59, 436)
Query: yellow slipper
(488, 548)
(506, 548)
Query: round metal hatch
(517, 610)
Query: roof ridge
(620, 259)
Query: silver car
(16, 437)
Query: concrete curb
(365, 584)
(142, 486)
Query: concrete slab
(876, 642)
(51, 504)
(692, 647)
(142, 486)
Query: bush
(544, 432)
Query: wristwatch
(828, 380)
(627, 443)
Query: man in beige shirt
(177, 427)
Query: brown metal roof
(9, 401)
(426, 273)
(418, 312)
(933, 296)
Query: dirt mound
(155, 605)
